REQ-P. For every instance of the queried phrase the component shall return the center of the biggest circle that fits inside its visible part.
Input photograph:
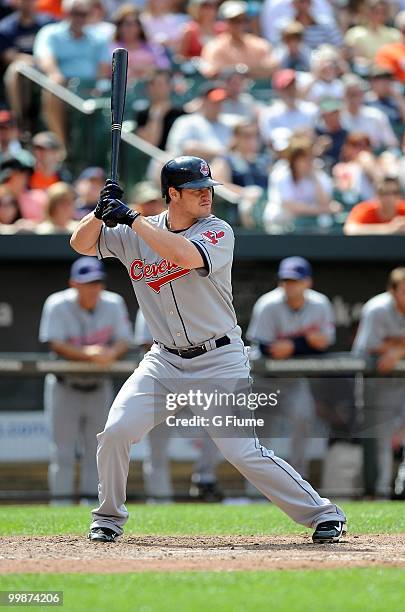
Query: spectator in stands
(239, 103)
(324, 79)
(65, 50)
(356, 116)
(143, 57)
(289, 112)
(293, 53)
(11, 221)
(155, 121)
(392, 55)
(97, 24)
(236, 46)
(385, 97)
(292, 321)
(203, 27)
(162, 24)
(300, 192)
(364, 41)
(381, 335)
(49, 156)
(243, 165)
(277, 13)
(244, 169)
(83, 323)
(9, 211)
(384, 215)
(59, 210)
(330, 131)
(88, 187)
(17, 34)
(201, 133)
(317, 31)
(9, 143)
(14, 174)
(355, 174)
(146, 199)
(50, 7)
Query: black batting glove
(99, 210)
(111, 191)
(116, 211)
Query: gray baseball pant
(141, 404)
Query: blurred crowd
(297, 104)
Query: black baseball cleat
(329, 532)
(208, 492)
(102, 534)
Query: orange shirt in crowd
(38, 180)
(52, 7)
(392, 56)
(368, 212)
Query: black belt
(196, 351)
(79, 387)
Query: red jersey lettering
(157, 274)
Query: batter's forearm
(85, 236)
(173, 247)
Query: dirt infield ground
(75, 554)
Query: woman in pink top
(203, 27)
(143, 57)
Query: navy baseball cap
(87, 270)
(294, 268)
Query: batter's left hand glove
(111, 191)
(118, 212)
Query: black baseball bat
(118, 92)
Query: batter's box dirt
(67, 554)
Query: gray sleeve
(142, 334)
(122, 326)
(261, 327)
(215, 243)
(371, 332)
(51, 327)
(114, 242)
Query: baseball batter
(180, 266)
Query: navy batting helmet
(186, 172)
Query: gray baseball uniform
(273, 319)
(77, 406)
(384, 397)
(155, 467)
(185, 308)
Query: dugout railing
(333, 371)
